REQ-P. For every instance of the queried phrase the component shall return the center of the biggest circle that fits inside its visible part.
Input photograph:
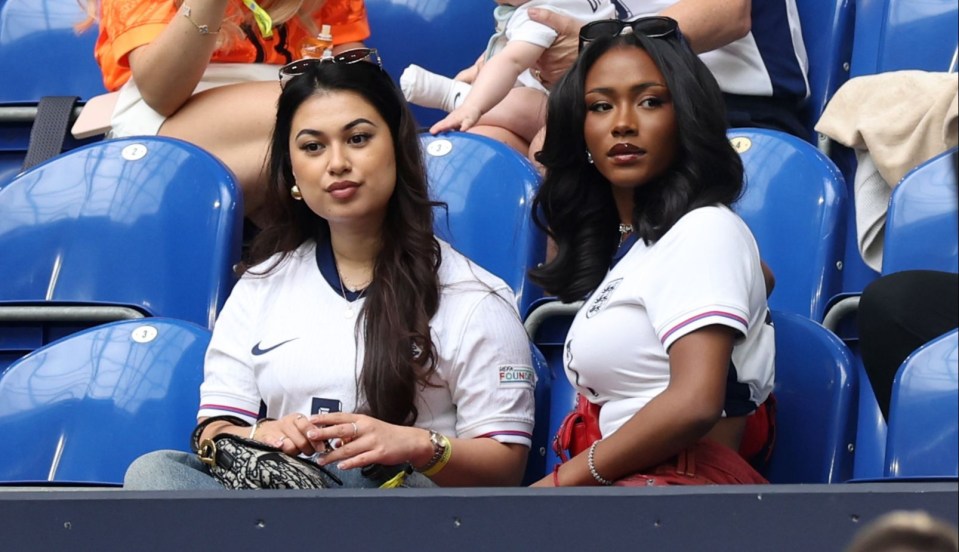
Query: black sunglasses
(356, 55)
(657, 26)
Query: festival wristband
(263, 20)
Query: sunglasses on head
(369, 55)
(653, 27)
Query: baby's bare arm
(492, 84)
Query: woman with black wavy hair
(673, 345)
(352, 324)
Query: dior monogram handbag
(239, 463)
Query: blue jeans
(172, 470)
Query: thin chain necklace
(350, 312)
(624, 231)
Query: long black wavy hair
(575, 206)
(404, 294)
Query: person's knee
(168, 470)
(502, 135)
(885, 299)
(142, 472)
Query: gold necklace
(349, 312)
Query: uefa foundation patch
(517, 376)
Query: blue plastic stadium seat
(121, 228)
(488, 188)
(871, 428)
(923, 437)
(442, 37)
(923, 217)
(815, 391)
(539, 451)
(920, 234)
(79, 410)
(827, 28)
(794, 203)
(889, 35)
(893, 35)
(40, 55)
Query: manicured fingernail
(311, 435)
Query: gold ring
(356, 430)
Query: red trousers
(705, 463)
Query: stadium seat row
(90, 239)
(92, 236)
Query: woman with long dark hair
(673, 346)
(352, 323)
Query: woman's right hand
(287, 434)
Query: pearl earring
(589, 157)
(295, 192)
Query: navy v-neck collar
(326, 262)
(623, 249)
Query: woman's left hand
(367, 440)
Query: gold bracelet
(256, 426)
(202, 29)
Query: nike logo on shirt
(257, 351)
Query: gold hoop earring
(295, 192)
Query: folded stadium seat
(827, 27)
(794, 202)
(920, 234)
(79, 410)
(117, 229)
(924, 413)
(487, 188)
(815, 404)
(41, 56)
(442, 37)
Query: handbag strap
(198, 430)
(49, 129)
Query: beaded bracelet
(590, 463)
